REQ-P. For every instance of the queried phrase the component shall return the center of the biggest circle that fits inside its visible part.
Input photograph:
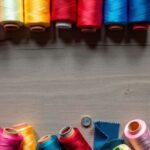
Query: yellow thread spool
(27, 132)
(11, 15)
(37, 14)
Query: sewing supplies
(89, 16)
(37, 14)
(11, 14)
(64, 13)
(138, 134)
(106, 135)
(26, 130)
(10, 139)
(86, 121)
(122, 147)
(72, 139)
(139, 14)
(115, 14)
(49, 143)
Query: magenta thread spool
(137, 133)
(10, 139)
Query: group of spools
(22, 137)
(88, 15)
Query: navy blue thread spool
(139, 14)
(115, 14)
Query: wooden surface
(51, 79)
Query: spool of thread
(90, 15)
(137, 132)
(72, 139)
(139, 14)
(115, 14)
(10, 139)
(37, 14)
(11, 16)
(26, 130)
(64, 13)
(49, 143)
(122, 147)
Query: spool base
(115, 27)
(10, 131)
(134, 127)
(37, 28)
(11, 27)
(88, 30)
(66, 132)
(63, 25)
(44, 139)
(140, 27)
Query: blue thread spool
(115, 14)
(139, 14)
(49, 143)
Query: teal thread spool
(49, 143)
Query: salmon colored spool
(71, 139)
(26, 130)
(37, 14)
(11, 15)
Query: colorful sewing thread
(64, 13)
(49, 143)
(139, 14)
(122, 147)
(11, 14)
(90, 14)
(10, 139)
(26, 130)
(137, 132)
(71, 139)
(115, 14)
(37, 14)
(106, 136)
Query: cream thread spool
(138, 134)
(12, 14)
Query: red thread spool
(71, 139)
(64, 13)
(140, 27)
(90, 15)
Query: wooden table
(50, 80)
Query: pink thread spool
(138, 134)
(10, 139)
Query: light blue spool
(115, 12)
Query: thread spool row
(88, 15)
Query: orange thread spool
(37, 14)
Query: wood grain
(51, 79)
